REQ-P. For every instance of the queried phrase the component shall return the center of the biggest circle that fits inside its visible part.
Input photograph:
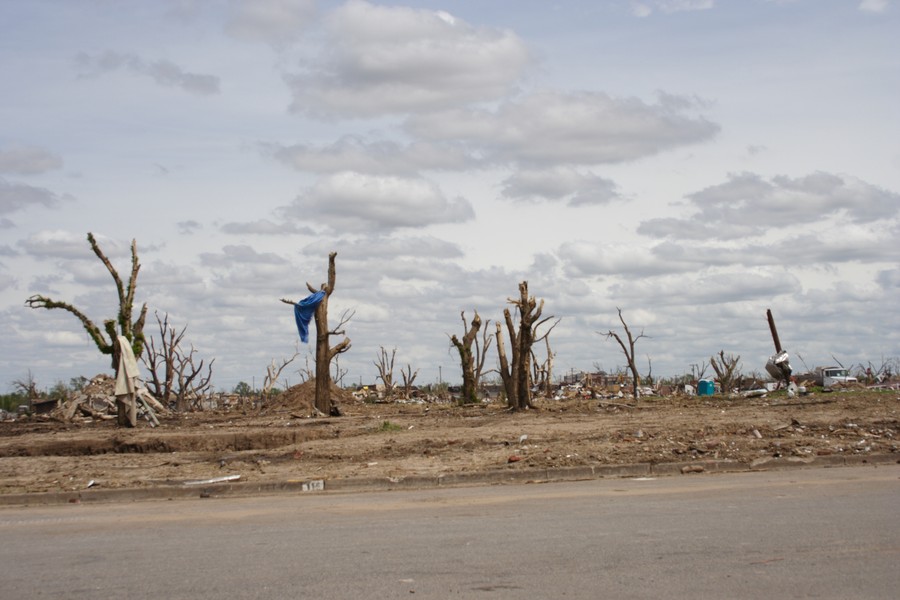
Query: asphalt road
(812, 533)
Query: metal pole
(773, 330)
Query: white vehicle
(831, 376)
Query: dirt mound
(301, 398)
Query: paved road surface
(819, 533)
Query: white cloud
(163, 72)
(21, 159)
(551, 128)
(840, 243)
(189, 227)
(264, 227)
(599, 259)
(240, 254)
(641, 10)
(671, 6)
(645, 9)
(70, 339)
(275, 21)
(19, 196)
(560, 184)
(384, 60)
(353, 153)
(381, 249)
(59, 243)
(358, 202)
(874, 6)
(749, 205)
(711, 288)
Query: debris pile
(97, 401)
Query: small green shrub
(388, 426)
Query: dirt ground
(395, 440)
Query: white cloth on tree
(127, 372)
(126, 384)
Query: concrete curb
(492, 477)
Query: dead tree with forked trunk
(174, 379)
(481, 351)
(727, 369)
(472, 363)
(515, 370)
(628, 350)
(193, 383)
(325, 353)
(132, 330)
(385, 366)
(273, 372)
(408, 376)
(543, 371)
(307, 373)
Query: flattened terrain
(400, 440)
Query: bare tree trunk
(385, 367)
(192, 384)
(467, 358)
(726, 368)
(324, 352)
(628, 351)
(523, 353)
(339, 373)
(181, 379)
(273, 371)
(517, 375)
(408, 378)
(481, 351)
(543, 371)
(162, 359)
(507, 375)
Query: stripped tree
(471, 362)
(515, 371)
(385, 366)
(27, 388)
(698, 371)
(543, 371)
(174, 377)
(339, 371)
(273, 372)
(133, 331)
(727, 369)
(325, 353)
(628, 350)
(481, 351)
(408, 376)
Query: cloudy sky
(692, 162)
